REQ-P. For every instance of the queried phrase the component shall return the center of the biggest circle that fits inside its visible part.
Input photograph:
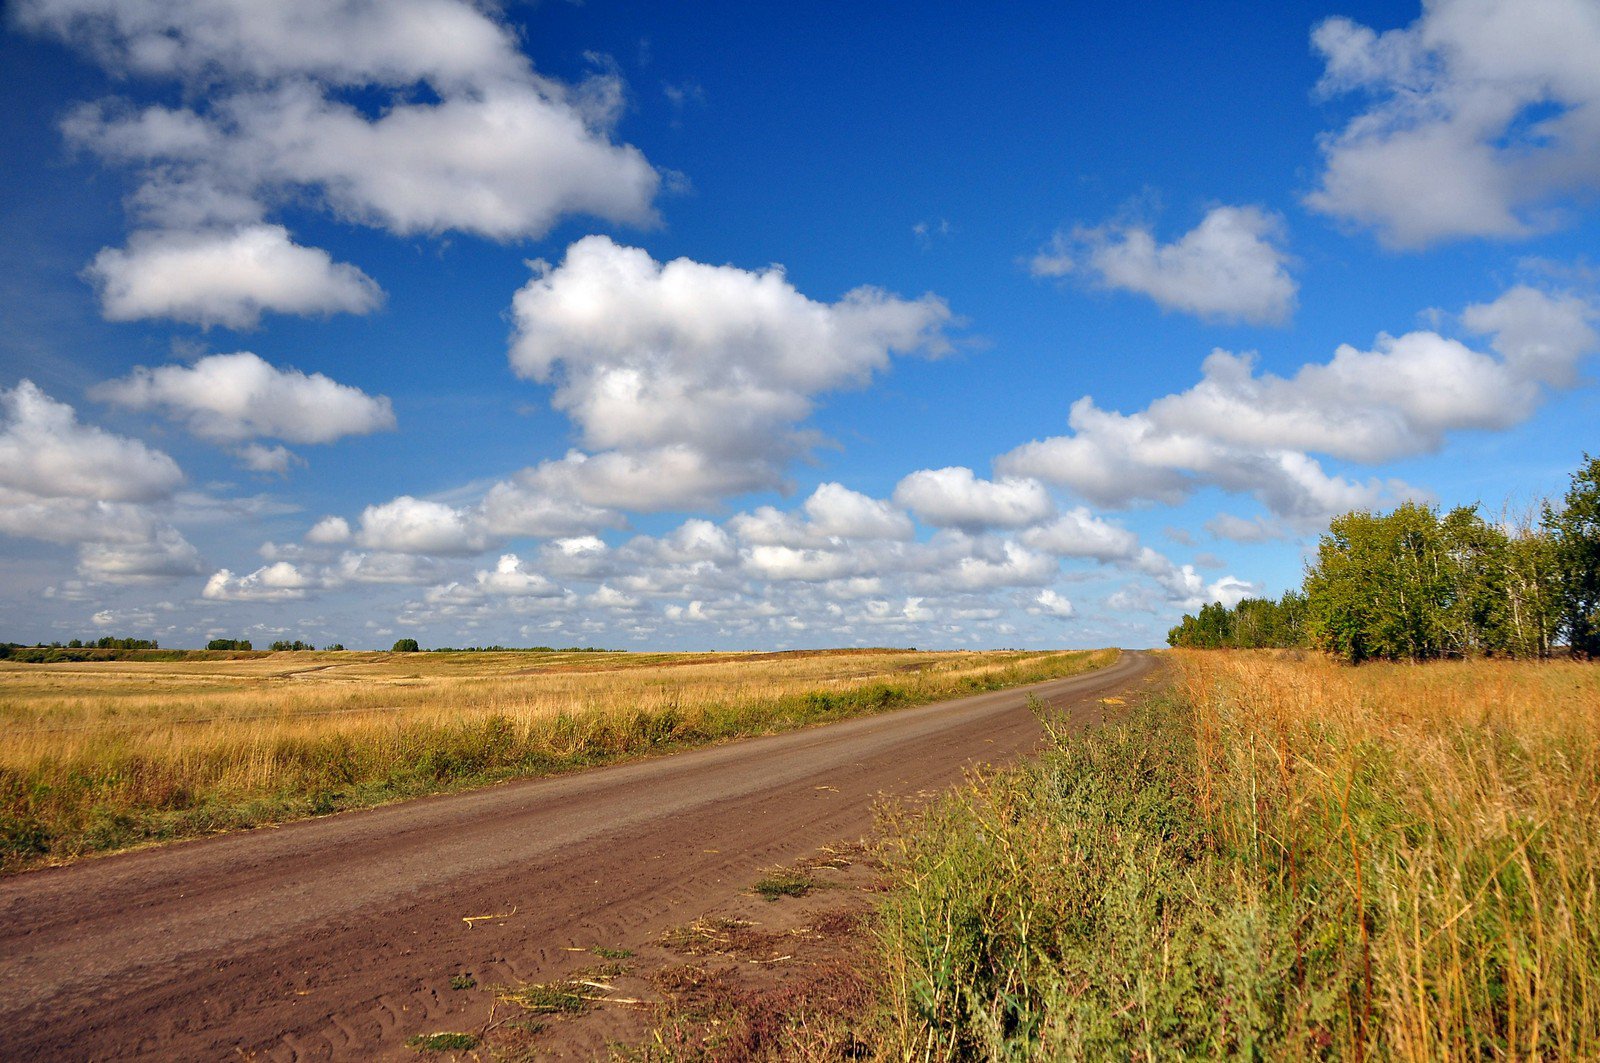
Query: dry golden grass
(99, 755)
(1283, 859)
(1449, 813)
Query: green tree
(1532, 589)
(406, 646)
(1575, 529)
(1473, 613)
(1380, 586)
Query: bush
(406, 646)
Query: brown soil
(339, 938)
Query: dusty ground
(339, 938)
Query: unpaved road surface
(337, 938)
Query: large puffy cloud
(690, 380)
(409, 525)
(1079, 533)
(394, 42)
(164, 555)
(542, 502)
(1050, 602)
(1250, 433)
(226, 276)
(830, 513)
(836, 511)
(1484, 113)
(1117, 460)
(46, 451)
(1231, 266)
(234, 397)
(510, 578)
(278, 582)
(65, 481)
(955, 498)
(468, 137)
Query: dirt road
(337, 938)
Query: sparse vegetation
(460, 982)
(785, 883)
(104, 755)
(1283, 859)
(443, 1042)
(551, 998)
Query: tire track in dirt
(337, 938)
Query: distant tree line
(73, 650)
(229, 644)
(1416, 585)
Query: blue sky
(734, 326)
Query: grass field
(1281, 858)
(102, 755)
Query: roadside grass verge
(1279, 858)
(94, 760)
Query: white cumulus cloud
(1079, 533)
(1255, 433)
(1050, 603)
(234, 397)
(1231, 267)
(329, 530)
(1483, 115)
(278, 582)
(688, 382)
(226, 276)
(46, 451)
(955, 498)
(63, 481)
(275, 460)
(407, 525)
(466, 136)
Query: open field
(102, 755)
(1282, 859)
(344, 937)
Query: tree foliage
(229, 644)
(1415, 585)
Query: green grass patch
(551, 998)
(785, 884)
(443, 1042)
